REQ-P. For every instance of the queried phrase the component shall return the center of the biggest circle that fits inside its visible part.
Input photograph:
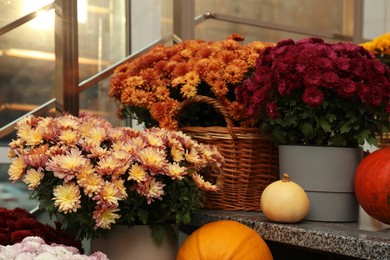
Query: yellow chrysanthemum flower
(105, 217)
(67, 197)
(29, 135)
(154, 159)
(69, 137)
(33, 178)
(110, 194)
(16, 169)
(177, 153)
(175, 171)
(188, 90)
(137, 173)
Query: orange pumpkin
(224, 239)
(372, 184)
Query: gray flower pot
(327, 176)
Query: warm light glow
(45, 19)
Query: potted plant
(311, 92)
(152, 87)
(95, 176)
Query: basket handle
(216, 105)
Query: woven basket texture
(251, 161)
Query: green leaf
(307, 129)
(158, 233)
(324, 123)
(186, 218)
(345, 128)
(143, 215)
(331, 117)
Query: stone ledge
(336, 238)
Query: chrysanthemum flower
(155, 140)
(202, 184)
(109, 194)
(193, 157)
(152, 158)
(111, 165)
(36, 157)
(67, 197)
(16, 169)
(30, 135)
(151, 189)
(33, 178)
(105, 217)
(66, 166)
(120, 184)
(137, 173)
(175, 171)
(89, 180)
(68, 137)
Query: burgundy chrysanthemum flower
(313, 97)
(272, 110)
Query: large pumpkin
(372, 184)
(224, 239)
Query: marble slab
(337, 238)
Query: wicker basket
(251, 161)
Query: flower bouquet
(190, 87)
(93, 175)
(316, 93)
(380, 47)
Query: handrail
(273, 26)
(10, 127)
(25, 19)
(108, 71)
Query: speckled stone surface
(338, 238)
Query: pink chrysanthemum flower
(36, 157)
(33, 178)
(105, 217)
(151, 189)
(66, 166)
(112, 165)
(67, 197)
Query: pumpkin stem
(286, 177)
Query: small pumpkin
(372, 184)
(284, 201)
(224, 239)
